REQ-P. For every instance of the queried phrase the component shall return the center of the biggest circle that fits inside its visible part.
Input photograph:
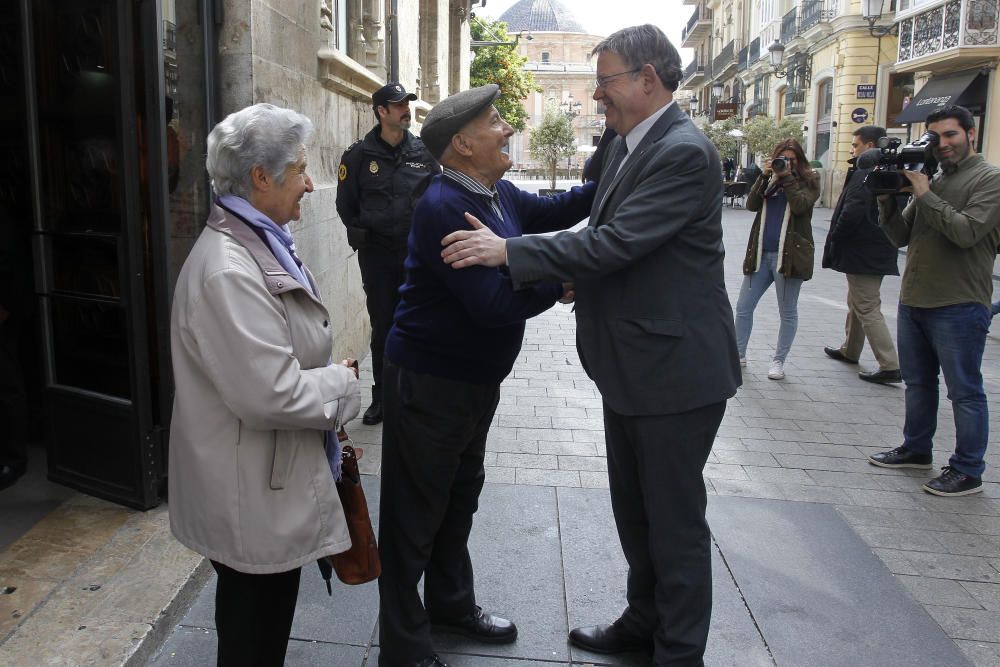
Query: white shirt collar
(638, 133)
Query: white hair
(260, 135)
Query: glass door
(95, 258)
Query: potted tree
(551, 141)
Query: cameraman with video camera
(857, 247)
(952, 229)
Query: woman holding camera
(780, 249)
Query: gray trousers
(865, 320)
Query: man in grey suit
(654, 331)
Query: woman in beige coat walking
(252, 460)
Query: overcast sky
(603, 17)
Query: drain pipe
(393, 41)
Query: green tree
(719, 134)
(552, 140)
(762, 134)
(504, 66)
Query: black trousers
(382, 274)
(253, 616)
(433, 445)
(655, 466)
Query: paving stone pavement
(794, 448)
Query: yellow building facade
(834, 75)
(952, 48)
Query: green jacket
(796, 248)
(952, 232)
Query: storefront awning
(966, 88)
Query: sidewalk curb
(170, 617)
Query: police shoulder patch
(342, 174)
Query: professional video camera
(889, 159)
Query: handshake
(569, 294)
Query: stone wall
(278, 51)
(268, 53)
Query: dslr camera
(890, 159)
(779, 164)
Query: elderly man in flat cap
(455, 337)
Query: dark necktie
(608, 177)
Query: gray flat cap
(451, 114)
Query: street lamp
(571, 107)
(776, 52)
(717, 90)
(871, 10)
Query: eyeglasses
(602, 81)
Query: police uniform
(378, 186)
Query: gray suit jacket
(654, 325)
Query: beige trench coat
(249, 482)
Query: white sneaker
(776, 371)
(743, 362)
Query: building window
(545, 57)
(333, 17)
(595, 139)
(824, 110)
(900, 94)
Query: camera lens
(779, 164)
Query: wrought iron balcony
(959, 30)
(799, 73)
(694, 74)
(814, 14)
(795, 102)
(725, 62)
(741, 59)
(698, 27)
(789, 26)
(754, 54)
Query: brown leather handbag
(359, 564)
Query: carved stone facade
(326, 59)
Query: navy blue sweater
(467, 324)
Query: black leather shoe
(608, 639)
(834, 353)
(9, 474)
(953, 483)
(373, 415)
(901, 457)
(881, 377)
(479, 625)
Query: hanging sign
(724, 110)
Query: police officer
(379, 178)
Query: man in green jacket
(952, 228)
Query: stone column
(373, 30)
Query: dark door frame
(139, 422)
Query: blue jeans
(952, 339)
(787, 291)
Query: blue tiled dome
(540, 16)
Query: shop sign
(724, 110)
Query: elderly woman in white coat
(253, 448)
